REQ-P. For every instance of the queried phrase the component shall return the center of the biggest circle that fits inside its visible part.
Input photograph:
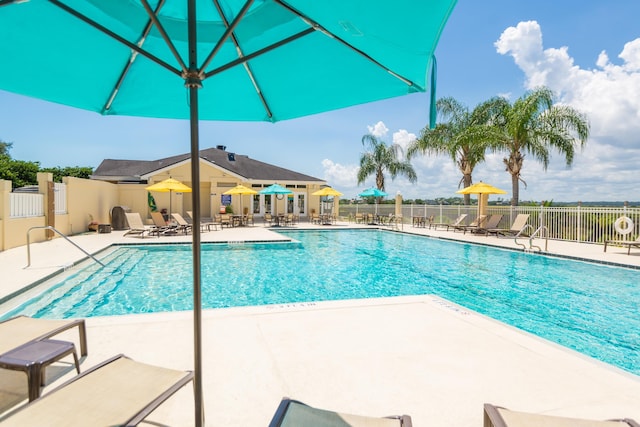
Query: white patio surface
(418, 355)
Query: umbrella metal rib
(134, 54)
(247, 67)
(316, 26)
(115, 36)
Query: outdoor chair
(20, 330)
(517, 228)
(160, 223)
(292, 413)
(359, 218)
(491, 223)
(628, 243)
(183, 225)
(455, 223)
(495, 416)
(137, 227)
(117, 392)
(476, 223)
(205, 223)
(267, 219)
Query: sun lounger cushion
(292, 413)
(118, 392)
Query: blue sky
(587, 51)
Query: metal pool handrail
(48, 227)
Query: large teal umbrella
(217, 60)
(276, 190)
(373, 192)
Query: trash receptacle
(118, 217)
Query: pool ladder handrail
(48, 227)
(538, 231)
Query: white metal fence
(60, 197)
(25, 205)
(577, 224)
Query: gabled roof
(241, 165)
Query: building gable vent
(232, 157)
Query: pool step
(86, 286)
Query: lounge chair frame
(20, 416)
(455, 223)
(286, 404)
(628, 243)
(519, 224)
(41, 329)
(475, 224)
(493, 418)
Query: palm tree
(464, 136)
(534, 125)
(383, 158)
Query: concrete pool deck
(418, 355)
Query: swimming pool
(588, 307)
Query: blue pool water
(587, 307)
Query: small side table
(33, 357)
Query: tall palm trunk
(466, 181)
(514, 166)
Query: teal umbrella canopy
(244, 60)
(256, 60)
(373, 192)
(275, 189)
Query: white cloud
(337, 175)
(378, 130)
(608, 94)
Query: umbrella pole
(193, 82)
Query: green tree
(382, 158)
(463, 135)
(5, 147)
(19, 172)
(75, 171)
(534, 125)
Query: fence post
(5, 211)
(45, 186)
(579, 222)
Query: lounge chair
(292, 413)
(160, 224)
(20, 330)
(627, 243)
(183, 225)
(519, 224)
(455, 223)
(205, 225)
(117, 392)
(137, 227)
(475, 224)
(495, 416)
(491, 223)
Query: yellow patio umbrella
(240, 190)
(327, 191)
(169, 185)
(482, 189)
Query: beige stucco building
(122, 183)
(220, 170)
